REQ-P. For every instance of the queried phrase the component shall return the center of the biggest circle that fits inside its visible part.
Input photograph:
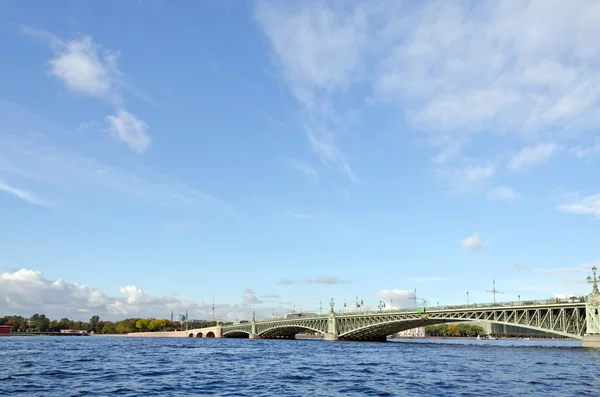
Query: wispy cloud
(328, 280)
(532, 155)
(86, 125)
(589, 151)
(23, 194)
(464, 179)
(589, 205)
(301, 215)
(324, 145)
(307, 170)
(585, 268)
(36, 158)
(502, 193)
(315, 63)
(285, 281)
(472, 243)
(424, 279)
(452, 70)
(270, 296)
(517, 266)
(325, 280)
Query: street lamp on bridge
(467, 298)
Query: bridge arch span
(379, 331)
(236, 334)
(210, 334)
(199, 335)
(286, 331)
(191, 335)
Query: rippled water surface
(103, 366)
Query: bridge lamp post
(467, 298)
(519, 296)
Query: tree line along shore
(41, 323)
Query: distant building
(412, 333)
(5, 330)
(73, 331)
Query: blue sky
(280, 154)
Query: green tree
(108, 328)
(42, 324)
(142, 324)
(94, 324)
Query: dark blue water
(96, 366)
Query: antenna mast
(494, 291)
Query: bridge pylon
(253, 333)
(332, 329)
(592, 314)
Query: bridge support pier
(591, 341)
(254, 336)
(330, 336)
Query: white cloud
(25, 292)
(503, 193)
(532, 155)
(85, 67)
(22, 194)
(589, 205)
(128, 128)
(400, 298)
(472, 243)
(250, 297)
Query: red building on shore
(5, 330)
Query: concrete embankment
(172, 334)
(176, 334)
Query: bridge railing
(510, 304)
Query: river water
(105, 366)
